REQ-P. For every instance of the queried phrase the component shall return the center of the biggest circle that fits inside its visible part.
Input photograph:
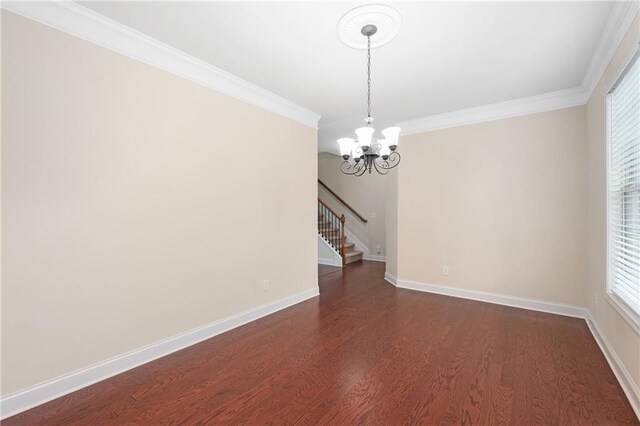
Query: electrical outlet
(265, 285)
(445, 270)
(596, 301)
(374, 215)
(378, 248)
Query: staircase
(331, 227)
(351, 253)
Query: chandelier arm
(375, 147)
(392, 161)
(395, 157)
(348, 168)
(362, 169)
(380, 166)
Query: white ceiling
(448, 55)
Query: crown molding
(618, 23)
(531, 105)
(620, 19)
(86, 24)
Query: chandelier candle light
(367, 153)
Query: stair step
(353, 256)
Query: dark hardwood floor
(365, 352)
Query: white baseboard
(55, 388)
(391, 279)
(374, 257)
(624, 378)
(329, 262)
(517, 302)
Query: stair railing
(331, 227)
(343, 202)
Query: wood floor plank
(366, 352)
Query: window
(623, 125)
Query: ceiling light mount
(383, 20)
(369, 30)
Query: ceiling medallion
(368, 152)
(386, 19)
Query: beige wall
(366, 194)
(624, 340)
(391, 228)
(136, 205)
(502, 204)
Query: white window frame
(627, 313)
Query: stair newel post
(342, 251)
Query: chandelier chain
(369, 77)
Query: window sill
(625, 312)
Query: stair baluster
(331, 227)
(342, 241)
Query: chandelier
(367, 152)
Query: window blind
(624, 186)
